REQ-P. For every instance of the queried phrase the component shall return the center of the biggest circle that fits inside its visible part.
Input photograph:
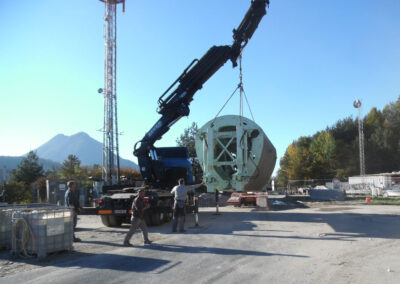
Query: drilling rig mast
(110, 167)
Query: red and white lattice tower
(110, 167)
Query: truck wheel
(155, 219)
(115, 221)
(105, 220)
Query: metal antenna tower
(357, 105)
(110, 172)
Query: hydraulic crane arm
(247, 27)
(174, 105)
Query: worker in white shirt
(180, 194)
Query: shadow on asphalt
(326, 237)
(100, 261)
(116, 262)
(103, 243)
(77, 229)
(345, 225)
(211, 250)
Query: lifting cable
(212, 124)
(241, 94)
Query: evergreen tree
(322, 149)
(18, 192)
(187, 139)
(71, 168)
(29, 170)
(53, 173)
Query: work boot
(127, 244)
(148, 242)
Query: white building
(375, 182)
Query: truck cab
(175, 164)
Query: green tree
(70, 168)
(187, 139)
(29, 170)
(299, 159)
(322, 149)
(345, 134)
(383, 147)
(335, 151)
(82, 174)
(18, 192)
(282, 177)
(373, 120)
(53, 173)
(324, 144)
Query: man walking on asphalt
(180, 193)
(72, 201)
(137, 219)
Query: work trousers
(136, 223)
(75, 220)
(178, 213)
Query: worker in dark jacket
(72, 201)
(137, 219)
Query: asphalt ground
(317, 243)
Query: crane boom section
(175, 104)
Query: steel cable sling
(242, 92)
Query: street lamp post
(357, 105)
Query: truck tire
(105, 220)
(115, 221)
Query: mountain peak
(59, 135)
(81, 134)
(88, 150)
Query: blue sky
(305, 65)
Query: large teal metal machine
(235, 154)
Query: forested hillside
(334, 152)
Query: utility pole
(357, 105)
(110, 168)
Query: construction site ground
(312, 242)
